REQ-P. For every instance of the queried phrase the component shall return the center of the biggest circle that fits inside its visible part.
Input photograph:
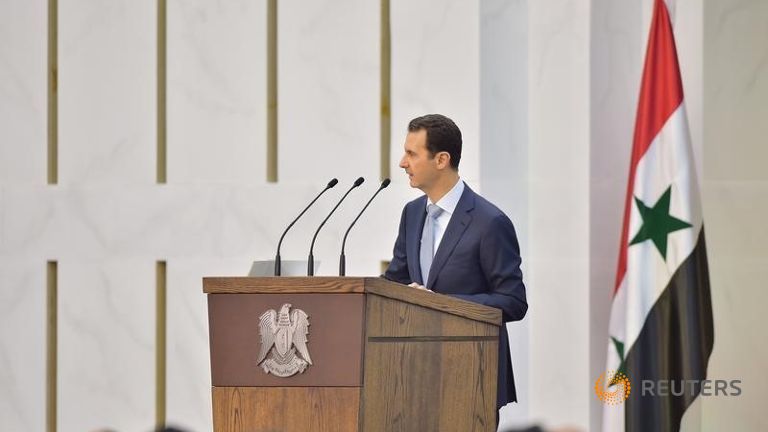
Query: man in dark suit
(453, 241)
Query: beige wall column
(736, 205)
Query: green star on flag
(658, 223)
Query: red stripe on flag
(661, 92)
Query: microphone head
(385, 183)
(359, 181)
(332, 183)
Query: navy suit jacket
(478, 259)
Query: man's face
(421, 167)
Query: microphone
(330, 184)
(342, 258)
(311, 260)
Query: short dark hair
(442, 135)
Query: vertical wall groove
(53, 97)
(51, 345)
(272, 91)
(386, 70)
(160, 342)
(161, 92)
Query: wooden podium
(384, 357)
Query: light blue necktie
(428, 240)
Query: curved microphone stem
(311, 258)
(342, 257)
(330, 184)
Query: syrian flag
(661, 326)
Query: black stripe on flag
(674, 345)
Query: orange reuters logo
(620, 387)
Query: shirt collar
(450, 200)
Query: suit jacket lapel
(413, 241)
(460, 220)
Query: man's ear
(443, 160)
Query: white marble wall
(23, 108)
(23, 103)
(544, 93)
(106, 92)
(106, 85)
(328, 98)
(216, 91)
(22, 343)
(558, 254)
(106, 329)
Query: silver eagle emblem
(284, 341)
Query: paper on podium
(287, 268)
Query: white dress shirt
(448, 203)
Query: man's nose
(402, 162)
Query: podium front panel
(334, 341)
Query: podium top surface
(351, 285)
(284, 284)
